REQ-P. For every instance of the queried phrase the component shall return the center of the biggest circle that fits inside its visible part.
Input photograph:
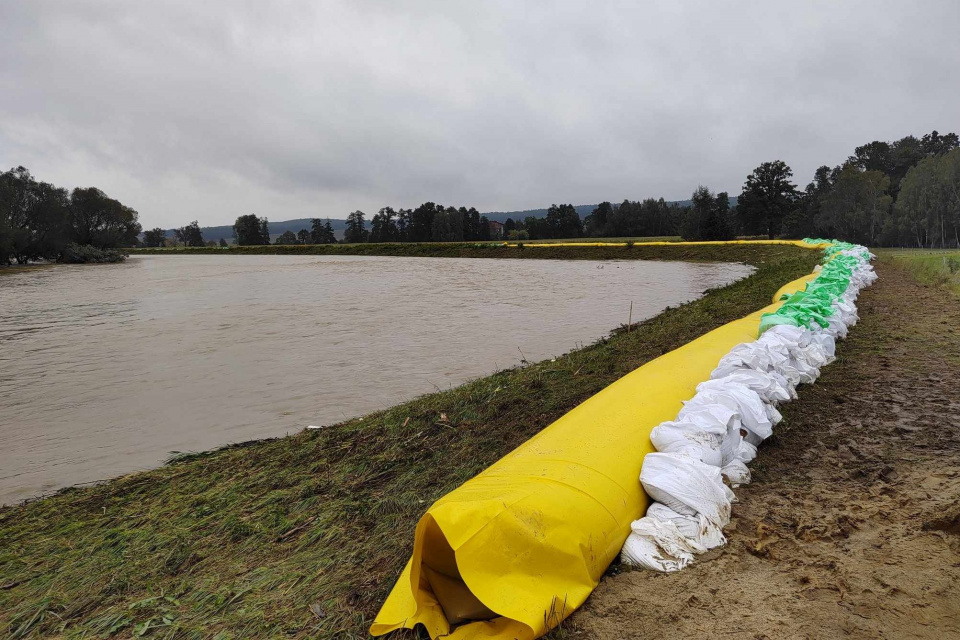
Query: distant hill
(277, 228)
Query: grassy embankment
(934, 267)
(436, 250)
(304, 536)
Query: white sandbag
(847, 312)
(770, 386)
(746, 451)
(695, 527)
(800, 359)
(808, 373)
(752, 355)
(836, 327)
(668, 537)
(641, 551)
(720, 419)
(712, 418)
(791, 388)
(789, 370)
(813, 352)
(686, 486)
(687, 438)
(827, 345)
(667, 541)
(731, 443)
(773, 415)
(788, 334)
(736, 472)
(746, 403)
(767, 356)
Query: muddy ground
(851, 527)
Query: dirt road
(851, 527)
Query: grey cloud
(210, 109)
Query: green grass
(303, 536)
(939, 268)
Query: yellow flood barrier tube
(513, 551)
(663, 243)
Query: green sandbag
(814, 305)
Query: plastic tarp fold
(519, 547)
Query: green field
(935, 267)
(303, 536)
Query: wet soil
(851, 527)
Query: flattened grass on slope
(304, 536)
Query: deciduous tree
(101, 221)
(154, 237)
(768, 195)
(190, 235)
(287, 237)
(857, 205)
(251, 230)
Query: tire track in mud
(851, 527)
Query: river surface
(107, 369)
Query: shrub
(85, 253)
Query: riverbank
(748, 253)
(305, 535)
(851, 526)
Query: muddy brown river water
(107, 369)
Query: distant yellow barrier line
(515, 550)
(660, 243)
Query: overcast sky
(208, 110)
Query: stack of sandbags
(705, 450)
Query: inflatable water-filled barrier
(516, 549)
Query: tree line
(561, 221)
(40, 221)
(904, 193)
(900, 193)
(189, 236)
(429, 222)
(252, 230)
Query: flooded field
(107, 369)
